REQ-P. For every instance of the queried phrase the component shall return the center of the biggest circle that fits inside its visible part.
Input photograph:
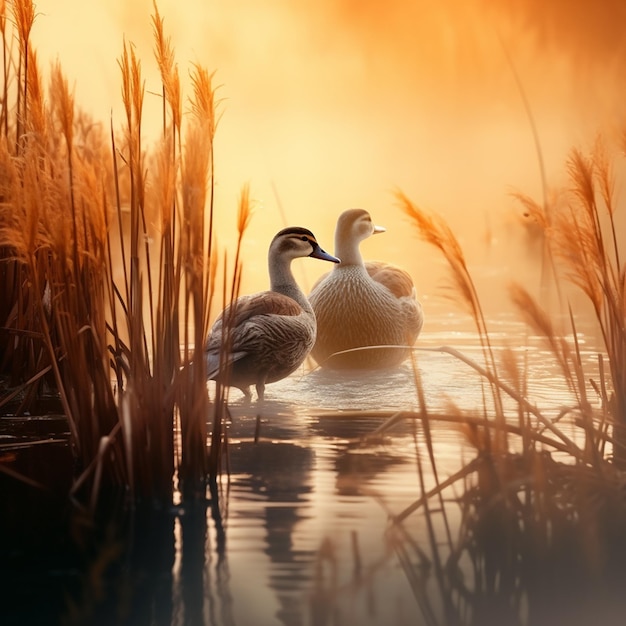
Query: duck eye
(305, 238)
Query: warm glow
(330, 105)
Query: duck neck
(348, 251)
(282, 281)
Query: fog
(332, 104)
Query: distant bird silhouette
(361, 304)
(264, 337)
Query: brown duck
(266, 336)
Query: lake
(298, 531)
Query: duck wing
(242, 319)
(399, 282)
(395, 279)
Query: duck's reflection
(279, 473)
(355, 470)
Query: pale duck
(361, 304)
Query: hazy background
(332, 104)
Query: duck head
(295, 242)
(353, 226)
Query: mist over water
(331, 105)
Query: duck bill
(318, 253)
(379, 229)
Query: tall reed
(582, 236)
(22, 350)
(109, 259)
(540, 534)
(436, 232)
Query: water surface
(298, 530)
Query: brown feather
(264, 303)
(397, 280)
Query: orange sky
(334, 104)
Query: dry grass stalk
(138, 267)
(436, 232)
(567, 358)
(553, 529)
(6, 60)
(24, 17)
(164, 54)
(582, 235)
(575, 234)
(196, 254)
(525, 518)
(21, 342)
(218, 434)
(529, 520)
